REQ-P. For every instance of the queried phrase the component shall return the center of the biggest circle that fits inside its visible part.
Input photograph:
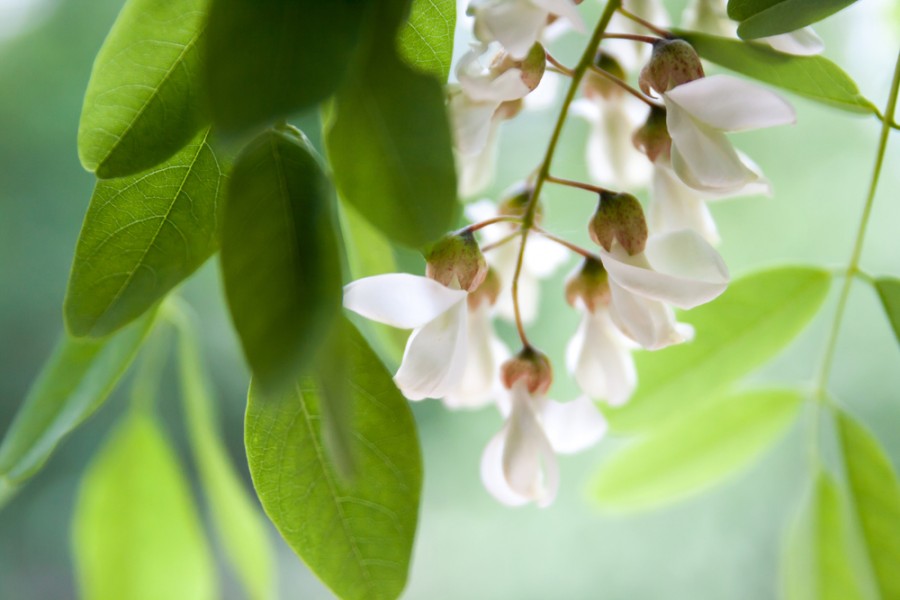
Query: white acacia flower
(518, 24)
(599, 358)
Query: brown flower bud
(653, 136)
(488, 291)
(619, 217)
(590, 284)
(672, 63)
(456, 257)
(531, 366)
(598, 86)
(532, 66)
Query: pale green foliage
(760, 18)
(426, 40)
(888, 289)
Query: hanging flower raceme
(518, 24)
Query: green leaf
(269, 59)
(142, 103)
(136, 532)
(888, 289)
(74, 383)
(813, 77)
(279, 255)
(237, 518)
(750, 323)
(389, 145)
(426, 40)
(876, 498)
(356, 535)
(143, 234)
(696, 451)
(762, 18)
(820, 560)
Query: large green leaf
(356, 534)
(270, 58)
(136, 532)
(143, 234)
(73, 383)
(696, 451)
(426, 40)
(279, 255)
(876, 498)
(888, 289)
(749, 324)
(142, 103)
(820, 558)
(813, 77)
(761, 18)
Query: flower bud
(590, 284)
(619, 217)
(597, 86)
(457, 259)
(515, 202)
(531, 366)
(488, 291)
(653, 136)
(532, 66)
(672, 63)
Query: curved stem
(482, 224)
(573, 247)
(502, 241)
(645, 23)
(558, 65)
(578, 184)
(646, 39)
(625, 86)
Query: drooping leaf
(279, 255)
(237, 518)
(876, 499)
(74, 382)
(761, 18)
(426, 40)
(888, 290)
(820, 561)
(355, 534)
(268, 59)
(144, 234)
(696, 451)
(749, 324)
(813, 77)
(136, 531)
(143, 103)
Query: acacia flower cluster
(669, 135)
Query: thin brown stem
(573, 247)
(645, 23)
(646, 39)
(482, 224)
(502, 241)
(625, 86)
(578, 184)
(520, 326)
(561, 68)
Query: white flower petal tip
(573, 426)
(399, 299)
(731, 104)
(480, 384)
(802, 42)
(599, 358)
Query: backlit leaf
(888, 290)
(426, 40)
(761, 18)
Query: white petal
(435, 356)
(399, 299)
(476, 171)
(471, 123)
(544, 95)
(502, 88)
(480, 210)
(676, 206)
(516, 24)
(648, 322)
(478, 386)
(600, 361)
(612, 157)
(573, 426)
(586, 109)
(565, 9)
(492, 474)
(543, 257)
(731, 104)
(803, 42)
(529, 462)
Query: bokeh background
(725, 543)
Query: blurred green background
(725, 543)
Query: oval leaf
(813, 77)
(279, 255)
(888, 290)
(136, 532)
(749, 324)
(876, 498)
(74, 383)
(426, 40)
(761, 18)
(142, 103)
(696, 451)
(356, 535)
(142, 236)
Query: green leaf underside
(750, 323)
(142, 235)
(279, 255)
(270, 59)
(136, 532)
(761, 18)
(236, 517)
(696, 451)
(888, 290)
(813, 77)
(74, 383)
(876, 498)
(425, 41)
(820, 559)
(142, 103)
(357, 534)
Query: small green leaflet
(762, 18)
(888, 289)
(355, 534)
(876, 497)
(696, 451)
(750, 323)
(820, 562)
(144, 234)
(136, 532)
(142, 103)
(426, 40)
(813, 77)
(73, 384)
(279, 255)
